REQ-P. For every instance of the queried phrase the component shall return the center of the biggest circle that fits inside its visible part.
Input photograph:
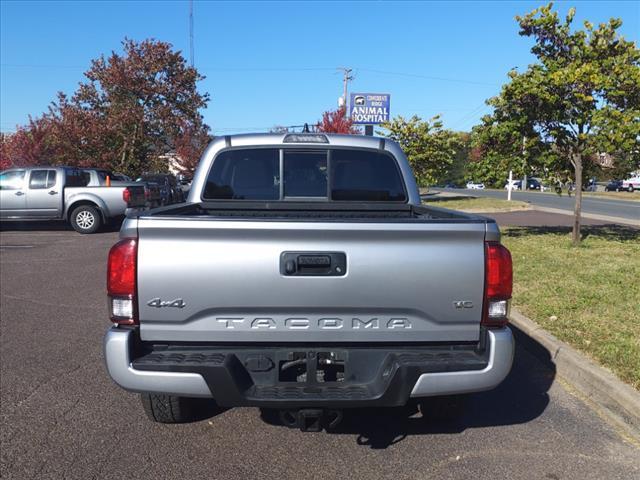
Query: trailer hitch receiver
(311, 419)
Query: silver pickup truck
(61, 193)
(304, 275)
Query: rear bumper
(248, 376)
(501, 347)
(118, 347)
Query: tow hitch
(311, 419)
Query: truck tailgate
(211, 280)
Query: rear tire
(163, 408)
(630, 189)
(86, 219)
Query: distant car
(152, 194)
(533, 184)
(515, 185)
(631, 184)
(184, 184)
(170, 192)
(475, 186)
(120, 177)
(63, 193)
(614, 186)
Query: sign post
(370, 109)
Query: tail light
(126, 195)
(498, 274)
(121, 282)
(147, 193)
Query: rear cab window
(251, 174)
(329, 174)
(76, 178)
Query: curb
(593, 216)
(613, 399)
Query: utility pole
(346, 78)
(191, 31)
(524, 162)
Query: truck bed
(315, 211)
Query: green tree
(458, 171)
(581, 97)
(431, 150)
(501, 144)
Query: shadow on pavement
(605, 232)
(204, 408)
(521, 398)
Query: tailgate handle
(314, 261)
(330, 264)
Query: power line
(213, 69)
(287, 69)
(429, 77)
(26, 65)
(468, 116)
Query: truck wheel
(442, 409)
(163, 408)
(630, 189)
(86, 219)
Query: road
(62, 417)
(597, 206)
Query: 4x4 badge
(159, 303)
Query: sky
(275, 63)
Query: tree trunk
(577, 164)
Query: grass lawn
(479, 204)
(587, 296)
(630, 196)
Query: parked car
(614, 186)
(152, 194)
(120, 177)
(169, 190)
(270, 286)
(61, 193)
(184, 184)
(102, 177)
(533, 184)
(631, 184)
(475, 186)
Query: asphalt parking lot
(62, 417)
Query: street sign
(370, 108)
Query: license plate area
(312, 366)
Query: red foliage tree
(190, 144)
(30, 145)
(334, 121)
(132, 109)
